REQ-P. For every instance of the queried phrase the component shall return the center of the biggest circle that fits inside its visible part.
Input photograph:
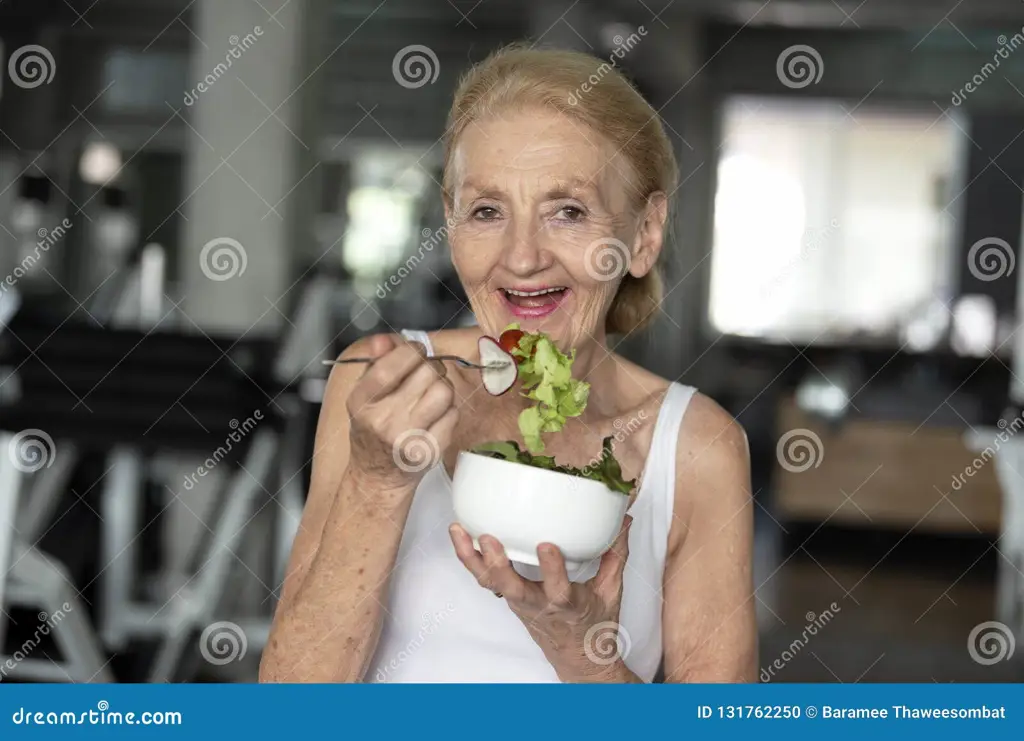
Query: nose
(524, 253)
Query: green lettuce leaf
(605, 470)
(531, 424)
(546, 377)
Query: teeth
(534, 293)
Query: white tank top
(441, 626)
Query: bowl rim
(519, 466)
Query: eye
(572, 213)
(485, 213)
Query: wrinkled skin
(530, 193)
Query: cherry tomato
(510, 339)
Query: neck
(591, 357)
(596, 365)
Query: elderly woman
(383, 585)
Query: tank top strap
(658, 479)
(418, 335)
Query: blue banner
(521, 712)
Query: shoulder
(708, 431)
(712, 467)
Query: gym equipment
(27, 577)
(144, 398)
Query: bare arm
(328, 620)
(709, 614)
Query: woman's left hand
(575, 624)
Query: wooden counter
(885, 474)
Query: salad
(546, 375)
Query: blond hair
(592, 92)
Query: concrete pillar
(250, 162)
(251, 185)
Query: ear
(650, 235)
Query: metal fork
(454, 358)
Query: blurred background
(200, 199)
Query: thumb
(380, 345)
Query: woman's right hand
(402, 414)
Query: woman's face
(542, 230)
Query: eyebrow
(561, 189)
(484, 191)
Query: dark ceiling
(849, 14)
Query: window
(831, 223)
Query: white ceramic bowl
(523, 506)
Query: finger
(413, 390)
(464, 549)
(436, 365)
(375, 346)
(435, 401)
(613, 562)
(557, 587)
(380, 345)
(389, 372)
(416, 379)
(444, 428)
(501, 577)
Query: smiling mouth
(536, 302)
